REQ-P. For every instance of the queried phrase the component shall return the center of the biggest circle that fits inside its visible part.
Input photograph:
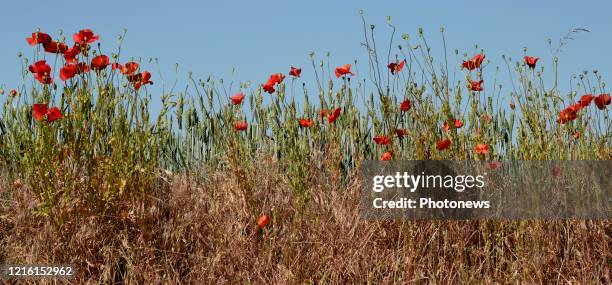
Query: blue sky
(262, 37)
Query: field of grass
(258, 184)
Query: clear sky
(263, 37)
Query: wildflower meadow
(257, 182)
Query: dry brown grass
(201, 230)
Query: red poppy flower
(305, 123)
(386, 156)
(268, 88)
(577, 106)
(602, 101)
(39, 38)
(443, 144)
(146, 78)
(405, 105)
(495, 165)
(481, 148)
(396, 67)
(84, 37)
(274, 79)
(237, 98)
(55, 47)
(572, 110)
(567, 114)
(129, 68)
(54, 114)
(576, 135)
(474, 62)
(585, 100)
(475, 85)
(263, 221)
(39, 111)
(68, 71)
(297, 72)
(241, 126)
(100, 62)
(400, 132)
(458, 123)
(531, 61)
(344, 70)
(71, 53)
(382, 140)
(42, 72)
(334, 115)
(140, 79)
(40, 66)
(13, 93)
